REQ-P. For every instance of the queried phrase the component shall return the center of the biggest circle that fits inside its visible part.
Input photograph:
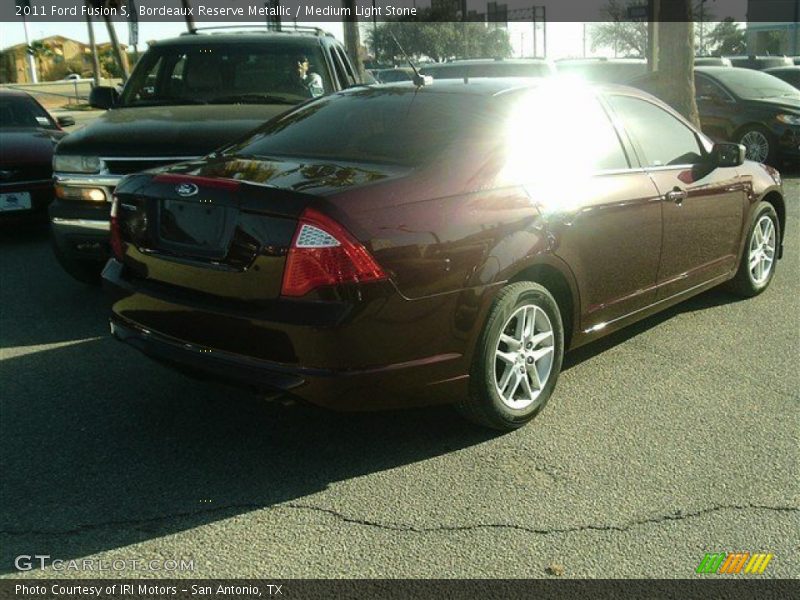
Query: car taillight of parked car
(324, 253)
(117, 245)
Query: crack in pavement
(677, 515)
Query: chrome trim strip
(87, 180)
(82, 223)
(604, 324)
(149, 158)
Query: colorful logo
(731, 563)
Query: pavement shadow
(101, 448)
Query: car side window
(663, 139)
(705, 89)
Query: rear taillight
(324, 253)
(117, 245)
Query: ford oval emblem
(187, 189)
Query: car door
(702, 207)
(602, 210)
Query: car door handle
(677, 195)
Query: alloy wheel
(524, 357)
(761, 254)
(756, 145)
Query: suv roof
(226, 37)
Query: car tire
(85, 271)
(505, 392)
(759, 255)
(759, 143)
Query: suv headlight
(789, 119)
(66, 163)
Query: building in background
(55, 57)
(773, 28)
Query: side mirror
(727, 154)
(103, 97)
(65, 121)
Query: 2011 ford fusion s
(401, 245)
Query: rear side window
(663, 139)
(19, 111)
(538, 143)
(373, 125)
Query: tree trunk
(352, 38)
(676, 58)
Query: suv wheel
(517, 360)
(757, 264)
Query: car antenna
(419, 80)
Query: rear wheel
(85, 271)
(517, 360)
(757, 265)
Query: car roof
(783, 68)
(599, 60)
(13, 92)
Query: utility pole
(112, 36)
(93, 46)
(26, 4)
(190, 26)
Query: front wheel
(759, 144)
(757, 264)
(517, 360)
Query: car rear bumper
(81, 229)
(371, 358)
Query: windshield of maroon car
(383, 125)
(750, 85)
(21, 111)
(231, 73)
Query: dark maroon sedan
(399, 245)
(29, 135)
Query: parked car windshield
(388, 125)
(230, 73)
(20, 111)
(751, 85)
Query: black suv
(186, 97)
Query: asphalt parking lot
(674, 438)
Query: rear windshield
(199, 74)
(20, 111)
(750, 84)
(397, 126)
